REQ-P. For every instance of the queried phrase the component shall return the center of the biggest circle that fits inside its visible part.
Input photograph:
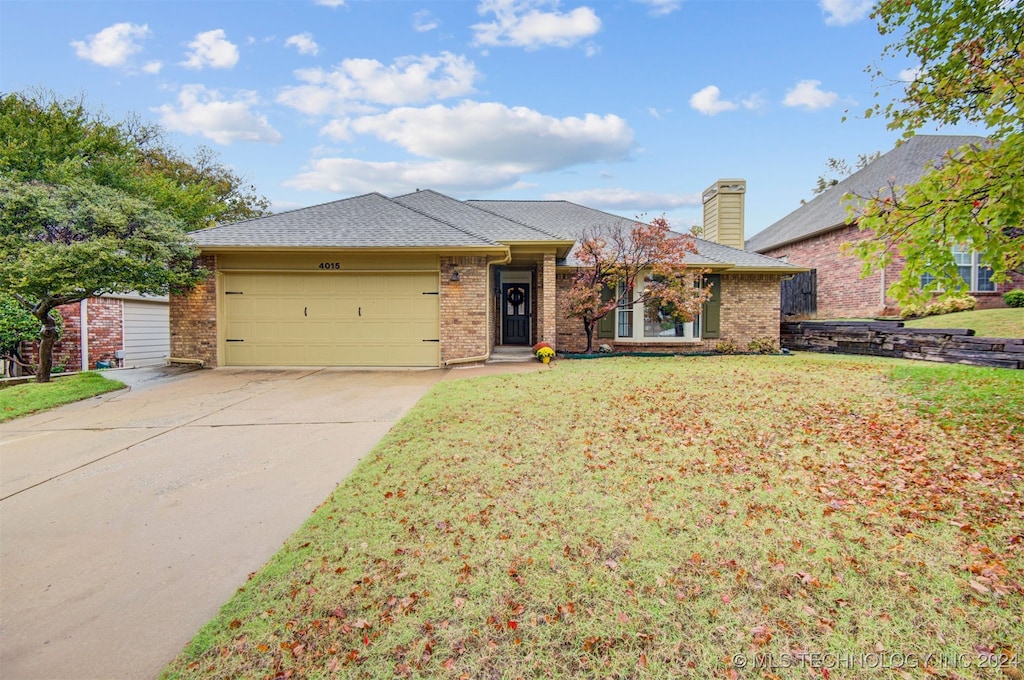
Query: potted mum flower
(543, 351)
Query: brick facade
(464, 330)
(749, 310)
(841, 290)
(546, 301)
(105, 318)
(194, 319)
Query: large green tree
(90, 206)
(966, 57)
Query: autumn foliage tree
(612, 261)
(968, 56)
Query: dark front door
(515, 313)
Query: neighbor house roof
(368, 221)
(905, 164)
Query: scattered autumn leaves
(648, 518)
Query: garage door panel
(331, 319)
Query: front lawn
(21, 400)
(658, 518)
(989, 323)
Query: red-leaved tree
(612, 259)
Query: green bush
(765, 345)
(1014, 298)
(727, 347)
(946, 306)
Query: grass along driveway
(21, 400)
(654, 518)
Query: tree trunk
(47, 337)
(588, 326)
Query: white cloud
(808, 93)
(626, 199)
(592, 49)
(338, 130)
(358, 84)
(203, 112)
(524, 23)
(909, 75)
(423, 21)
(330, 3)
(844, 12)
(473, 146)
(659, 8)
(303, 42)
(153, 67)
(494, 134)
(754, 102)
(351, 175)
(708, 101)
(113, 45)
(213, 49)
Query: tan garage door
(331, 319)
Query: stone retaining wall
(893, 339)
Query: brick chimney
(723, 212)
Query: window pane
(625, 315)
(926, 279)
(985, 283)
(965, 274)
(962, 257)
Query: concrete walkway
(127, 520)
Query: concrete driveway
(127, 520)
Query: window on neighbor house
(976, 275)
(652, 322)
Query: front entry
(515, 313)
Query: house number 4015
(330, 265)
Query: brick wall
(546, 297)
(106, 325)
(750, 309)
(193, 319)
(105, 319)
(464, 331)
(841, 291)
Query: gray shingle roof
(903, 165)
(429, 219)
(368, 221)
(574, 220)
(471, 218)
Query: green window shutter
(711, 317)
(606, 324)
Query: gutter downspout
(83, 333)
(490, 305)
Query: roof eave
(355, 249)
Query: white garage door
(331, 319)
(147, 335)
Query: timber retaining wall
(893, 339)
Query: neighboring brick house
(812, 235)
(124, 330)
(427, 280)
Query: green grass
(991, 323)
(966, 396)
(21, 400)
(652, 518)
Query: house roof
(905, 164)
(427, 219)
(367, 221)
(575, 220)
(473, 219)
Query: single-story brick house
(812, 235)
(125, 330)
(427, 280)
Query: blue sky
(629, 106)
